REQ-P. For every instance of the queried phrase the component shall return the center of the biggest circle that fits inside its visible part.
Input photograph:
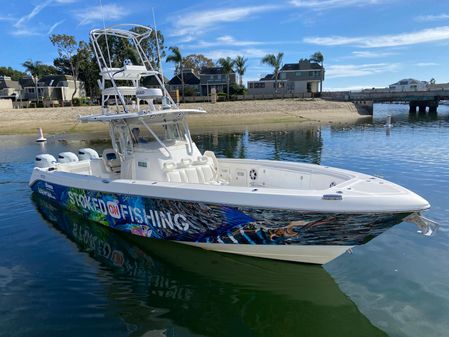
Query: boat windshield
(168, 133)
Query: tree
(37, 69)
(67, 51)
(177, 58)
(196, 62)
(88, 69)
(226, 65)
(318, 57)
(62, 66)
(13, 73)
(150, 46)
(33, 69)
(240, 64)
(274, 61)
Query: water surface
(62, 276)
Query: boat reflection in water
(163, 288)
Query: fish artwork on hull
(211, 223)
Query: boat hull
(291, 235)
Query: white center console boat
(154, 182)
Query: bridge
(421, 100)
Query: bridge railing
(387, 95)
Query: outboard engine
(67, 157)
(87, 154)
(45, 160)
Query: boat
(154, 182)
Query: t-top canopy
(153, 117)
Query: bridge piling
(422, 107)
(433, 105)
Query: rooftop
(53, 80)
(189, 78)
(152, 81)
(6, 82)
(213, 71)
(302, 65)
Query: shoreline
(222, 115)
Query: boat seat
(210, 156)
(207, 173)
(111, 161)
(174, 177)
(192, 172)
(169, 168)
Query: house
(9, 89)
(438, 86)
(213, 77)
(409, 84)
(52, 88)
(294, 78)
(191, 83)
(152, 82)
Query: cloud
(422, 36)
(428, 18)
(371, 54)
(97, 13)
(7, 19)
(426, 64)
(23, 29)
(35, 11)
(357, 70)
(202, 20)
(52, 28)
(249, 53)
(225, 40)
(329, 4)
(26, 32)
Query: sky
(365, 43)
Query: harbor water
(63, 276)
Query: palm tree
(276, 62)
(177, 58)
(318, 57)
(226, 66)
(240, 64)
(33, 68)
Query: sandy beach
(235, 115)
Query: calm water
(61, 276)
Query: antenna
(158, 50)
(106, 37)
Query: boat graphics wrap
(211, 223)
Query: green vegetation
(226, 64)
(274, 61)
(318, 57)
(196, 62)
(10, 72)
(68, 55)
(240, 65)
(38, 69)
(177, 58)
